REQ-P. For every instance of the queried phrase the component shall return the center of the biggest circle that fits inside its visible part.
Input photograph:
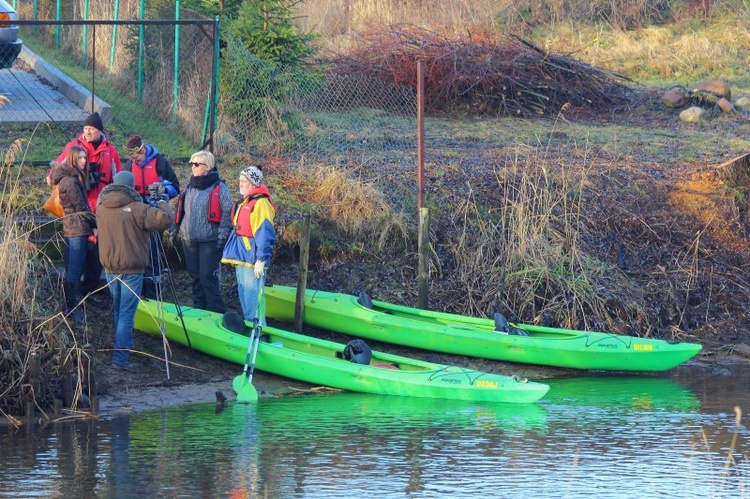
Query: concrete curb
(66, 85)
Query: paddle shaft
(255, 333)
(257, 328)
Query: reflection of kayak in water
(636, 393)
(324, 419)
(326, 414)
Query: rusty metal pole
(423, 274)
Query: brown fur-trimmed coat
(78, 220)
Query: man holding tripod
(154, 176)
(125, 223)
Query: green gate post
(176, 83)
(36, 13)
(58, 14)
(85, 30)
(114, 36)
(141, 43)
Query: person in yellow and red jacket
(251, 242)
(103, 164)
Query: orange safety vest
(145, 175)
(241, 217)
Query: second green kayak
(476, 337)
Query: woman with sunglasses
(203, 220)
(78, 221)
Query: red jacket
(104, 160)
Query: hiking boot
(76, 316)
(127, 366)
(97, 301)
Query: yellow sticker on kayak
(647, 348)
(487, 384)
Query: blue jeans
(75, 257)
(248, 287)
(125, 290)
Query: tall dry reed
(38, 347)
(525, 256)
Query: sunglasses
(197, 164)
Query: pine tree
(267, 29)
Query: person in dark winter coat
(125, 223)
(203, 219)
(78, 222)
(103, 165)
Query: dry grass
(623, 36)
(680, 52)
(38, 346)
(524, 257)
(356, 209)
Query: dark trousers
(92, 270)
(203, 263)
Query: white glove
(259, 268)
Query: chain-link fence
(101, 61)
(313, 117)
(168, 67)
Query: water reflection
(625, 392)
(608, 436)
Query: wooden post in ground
(89, 376)
(67, 381)
(304, 256)
(32, 377)
(423, 272)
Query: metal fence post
(85, 31)
(215, 86)
(141, 44)
(114, 36)
(58, 14)
(176, 79)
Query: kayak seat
(233, 322)
(503, 326)
(364, 300)
(356, 351)
(501, 323)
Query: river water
(672, 435)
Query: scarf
(202, 182)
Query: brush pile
(481, 73)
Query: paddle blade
(244, 389)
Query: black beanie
(95, 121)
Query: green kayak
(475, 337)
(315, 361)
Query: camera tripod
(160, 270)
